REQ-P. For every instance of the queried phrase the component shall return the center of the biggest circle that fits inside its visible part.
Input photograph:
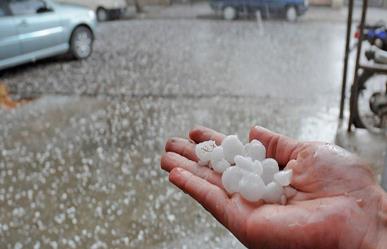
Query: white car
(104, 9)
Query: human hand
(334, 201)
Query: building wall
(151, 2)
(320, 2)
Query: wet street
(79, 166)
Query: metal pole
(346, 55)
(384, 175)
(355, 86)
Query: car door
(9, 41)
(38, 25)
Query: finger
(171, 160)
(277, 146)
(183, 147)
(210, 196)
(290, 192)
(200, 134)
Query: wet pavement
(79, 167)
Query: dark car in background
(231, 9)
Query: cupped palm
(329, 204)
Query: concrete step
(370, 147)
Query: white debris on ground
(101, 154)
(245, 170)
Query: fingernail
(257, 127)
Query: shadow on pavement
(32, 65)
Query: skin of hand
(333, 201)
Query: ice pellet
(256, 150)
(221, 166)
(244, 163)
(269, 168)
(203, 150)
(232, 146)
(251, 187)
(231, 178)
(258, 169)
(273, 193)
(248, 164)
(284, 177)
(217, 154)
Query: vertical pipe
(384, 174)
(355, 86)
(346, 55)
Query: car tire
(291, 14)
(81, 43)
(102, 14)
(357, 121)
(229, 13)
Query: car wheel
(81, 44)
(291, 14)
(229, 13)
(102, 14)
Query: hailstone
(220, 166)
(217, 154)
(203, 151)
(270, 167)
(283, 177)
(256, 150)
(273, 193)
(232, 146)
(248, 164)
(251, 187)
(231, 178)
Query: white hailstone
(18, 245)
(256, 150)
(269, 167)
(231, 178)
(220, 166)
(248, 164)
(217, 154)
(244, 163)
(37, 245)
(251, 187)
(232, 146)
(203, 150)
(283, 177)
(258, 169)
(273, 193)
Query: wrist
(382, 220)
(371, 228)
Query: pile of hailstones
(245, 169)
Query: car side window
(25, 7)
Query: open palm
(332, 203)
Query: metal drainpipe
(384, 176)
(346, 55)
